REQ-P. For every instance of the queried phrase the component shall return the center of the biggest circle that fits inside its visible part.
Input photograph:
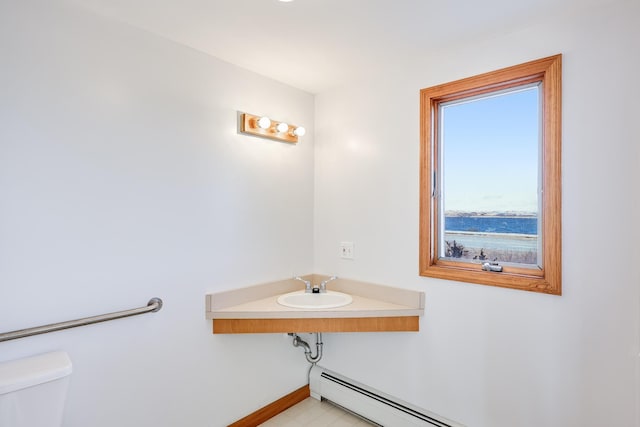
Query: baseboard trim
(271, 410)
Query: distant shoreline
(479, 214)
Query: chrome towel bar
(154, 304)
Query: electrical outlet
(346, 250)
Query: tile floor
(313, 413)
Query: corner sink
(301, 299)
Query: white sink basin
(329, 299)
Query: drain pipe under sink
(299, 342)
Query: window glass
(489, 177)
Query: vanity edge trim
(316, 314)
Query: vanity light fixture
(264, 127)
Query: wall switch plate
(346, 250)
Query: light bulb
(299, 131)
(264, 122)
(282, 127)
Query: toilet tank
(33, 390)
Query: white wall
(122, 178)
(485, 356)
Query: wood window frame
(548, 279)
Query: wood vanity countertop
(255, 309)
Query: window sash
(440, 180)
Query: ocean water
(492, 224)
(502, 239)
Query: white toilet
(33, 390)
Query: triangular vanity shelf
(255, 309)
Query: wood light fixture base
(249, 126)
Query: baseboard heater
(371, 404)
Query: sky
(490, 155)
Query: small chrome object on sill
(493, 266)
(154, 304)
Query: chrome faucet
(323, 284)
(307, 284)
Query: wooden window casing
(546, 278)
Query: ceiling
(315, 45)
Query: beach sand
(500, 247)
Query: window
(490, 186)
